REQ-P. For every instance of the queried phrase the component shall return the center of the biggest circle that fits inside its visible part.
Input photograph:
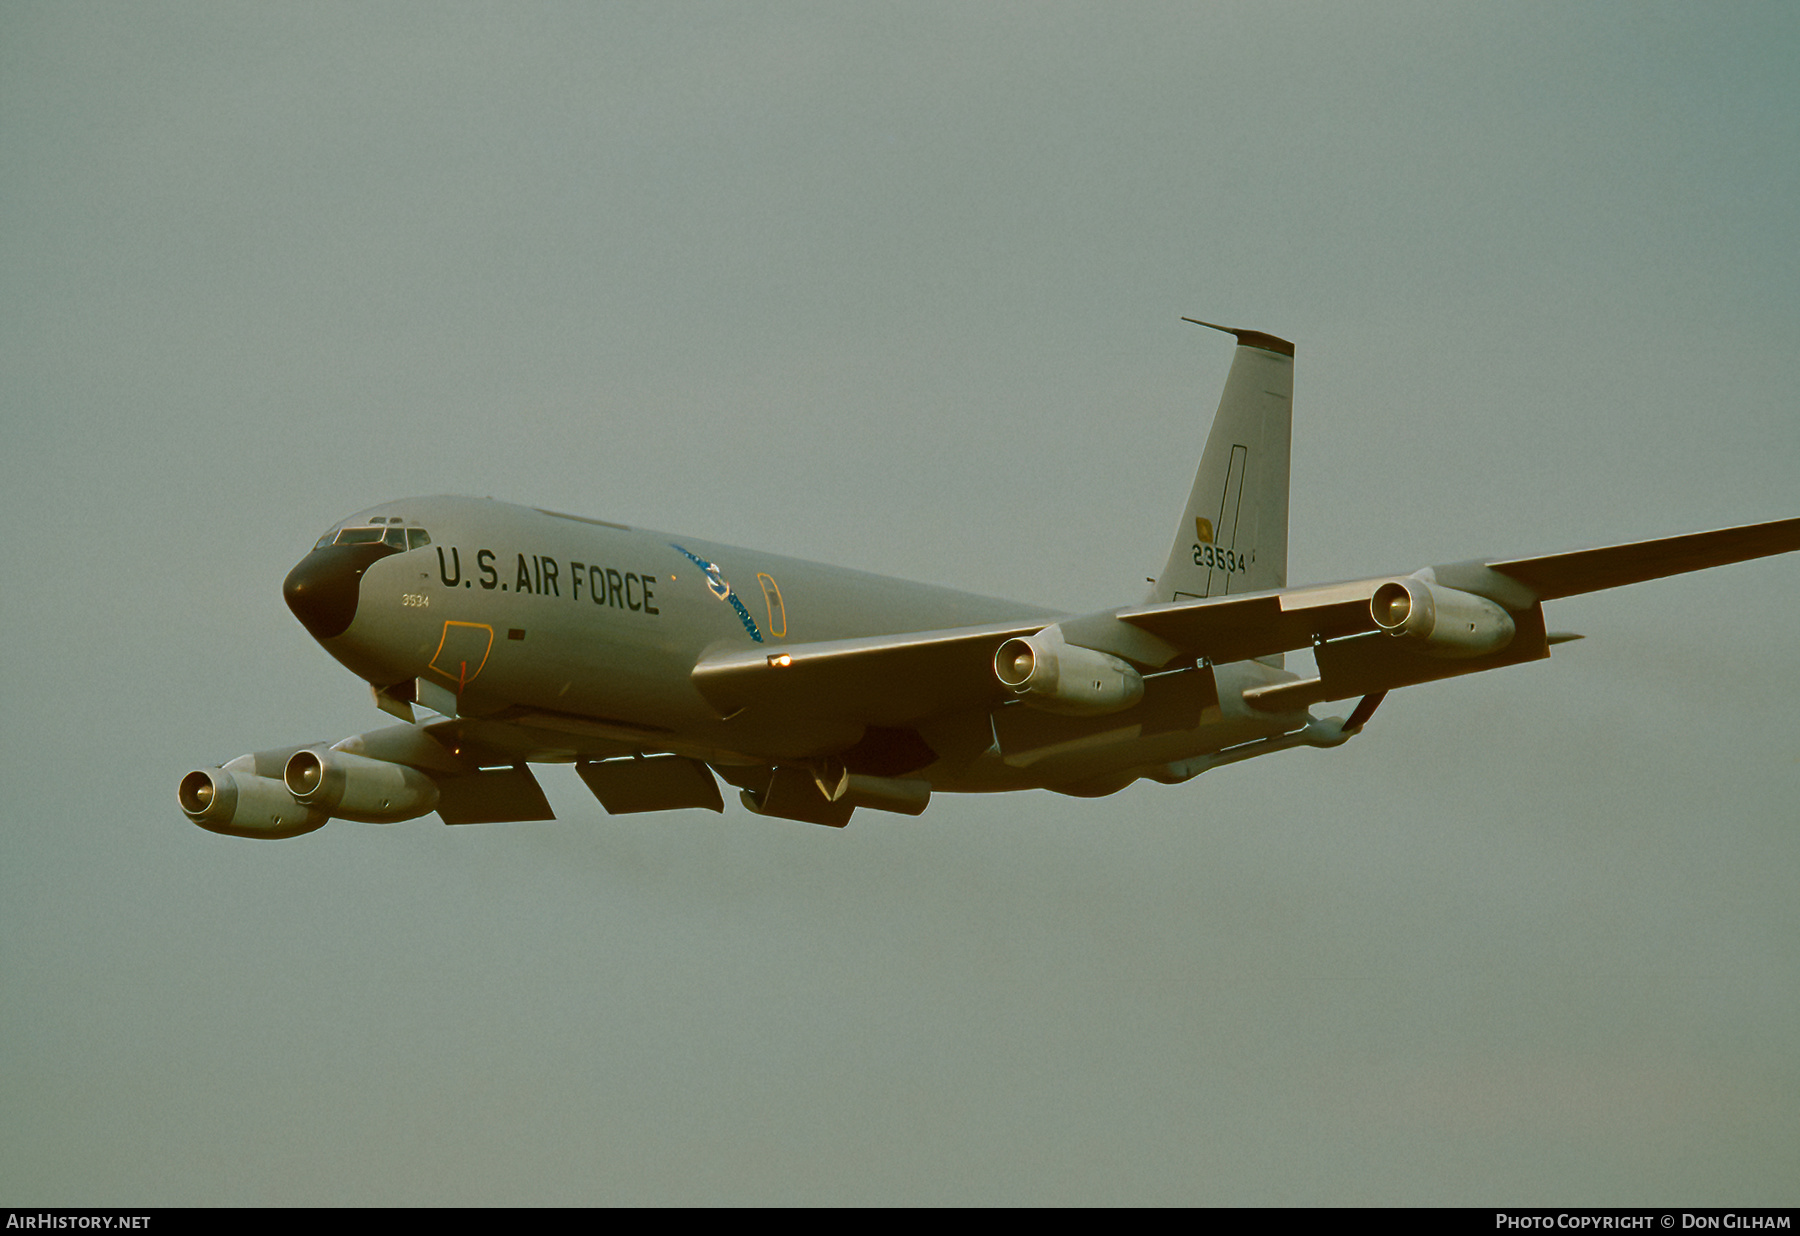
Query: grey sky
(898, 287)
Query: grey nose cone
(322, 590)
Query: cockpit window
(398, 537)
(359, 536)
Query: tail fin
(1233, 535)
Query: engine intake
(355, 787)
(1050, 673)
(235, 801)
(1445, 621)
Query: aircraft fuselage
(584, 634)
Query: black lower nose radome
(322, 589)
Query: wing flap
(492, 796)
(1260, 624)
(656, 783)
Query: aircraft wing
(1259, 624)
(1590, 570)
(895, 679)
(882, 679)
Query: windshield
(398, 537)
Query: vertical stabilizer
(1232, 537)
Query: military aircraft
(658, 664)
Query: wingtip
(1250, 338)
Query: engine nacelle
(355, 787)
(235, 801)
(1446, 622)
(1052, 674)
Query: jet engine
(1050, 673)
(355, 787)
(235, 801)
(1446, 621)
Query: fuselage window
(416, 537)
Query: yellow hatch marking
(777, 611)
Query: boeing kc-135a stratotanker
(659, 664)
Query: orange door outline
(461, 649)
